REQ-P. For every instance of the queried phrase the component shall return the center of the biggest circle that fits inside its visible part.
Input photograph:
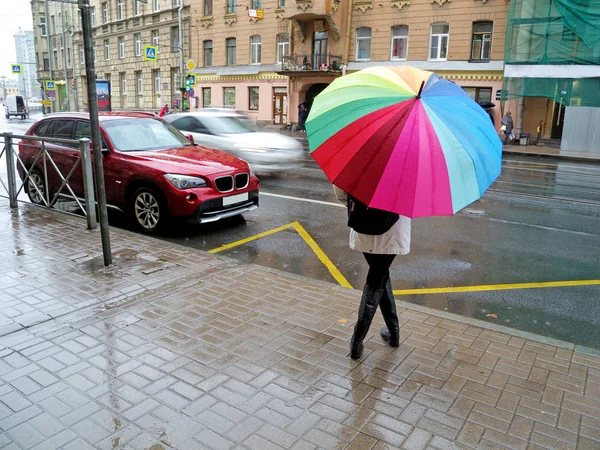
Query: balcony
(303, 9)
(311, 63)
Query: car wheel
(36, 180)
(148, 210)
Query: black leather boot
(391, 332)
(366, 311)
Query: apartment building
(295, 48)
(120, 30)
(24, 49)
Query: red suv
(151, 171)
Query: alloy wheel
(147, 210)
(36, 196)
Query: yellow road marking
(251, 238)
(335, 273)
(322, 256)
(497, 287)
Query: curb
(564, 157)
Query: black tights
(379, 269)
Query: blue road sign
(16, 68)
(150, 53)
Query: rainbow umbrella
(404, 140)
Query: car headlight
(185, 181)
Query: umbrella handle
(421, 89)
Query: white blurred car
(231, 131)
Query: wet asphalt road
(540, 222)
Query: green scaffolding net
(554, 32)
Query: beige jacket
(395, 241)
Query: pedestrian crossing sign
(150, 53)
(50, 85)
(16, 68)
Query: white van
(15, 106)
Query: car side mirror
(190, 138)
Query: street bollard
(88, 183)
(10, 170)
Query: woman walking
(379, 250)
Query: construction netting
(564, 34)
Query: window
(206, 97)
(106, 49)
(363, 43)
(208, 52)
(207, 10)
(253, 98)
(231, 6)
(123, 82)
(479, 95)
(53, 22)
(481, 47)
(121, 47)
(93, 16)
(63, 129)
(155, 5)
(43, 26)
(120, 9)
(136, 8)
(283, 47)
(174, 39)
(281, 3)
(256, 4)
(255, 47)
(231, 46)
(176, 2)
(438, 43)
(94, 51)
(82, 54)
(156, 77)
(47, 61)
(138, 82)
(138, 44)
(399, 43)
(155, 37)
(229, 97)
(105, 12)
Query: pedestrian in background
(302, 115)
(379, 250)
(507, 126)
(164, 110)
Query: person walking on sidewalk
(302, 115)
(164, 110)
(507, 126)
(379, 250)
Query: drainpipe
(49, 50)
(180, 18)
(76, 100)
(64, 54)
(347, 43)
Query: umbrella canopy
(404, 140)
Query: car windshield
(141, 134)
(226, 125)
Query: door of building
(280, 106)
(319, 49)
(558, 121)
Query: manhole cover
(474, 212)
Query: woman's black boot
(366, 311)
(391, 332)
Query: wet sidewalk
(174, 348)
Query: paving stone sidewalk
(173, 348)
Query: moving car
(232, 132)
(151, 171)
(15, 106)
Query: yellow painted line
(251, 238)
(497, 287)
(322, 256)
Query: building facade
(552, 72)
(25, 51)
(295, 48)
(9, 87)
(121, 29)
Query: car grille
(241, 180)
(224, 184)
